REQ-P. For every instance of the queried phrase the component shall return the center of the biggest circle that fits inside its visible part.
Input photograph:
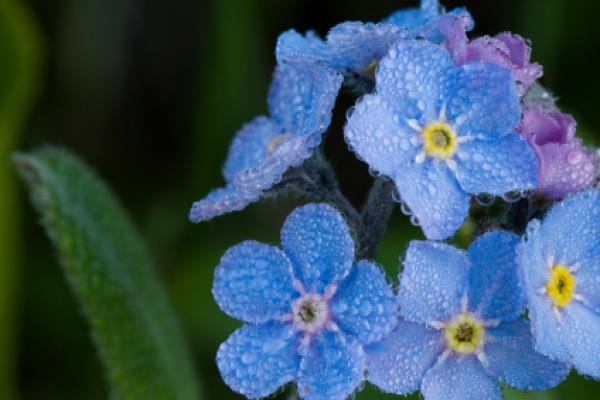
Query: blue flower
(308, 310)
(358, 46)
(560, 260)
(442, 132)
(461, 329)
(300, 101)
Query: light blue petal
(414, 18)
(582, 338)
(571, 230)
(481, 100)
(332, 370)
(459, 379)
(398, 363)
(253, 282)
(587, 279)
(317, 240)
(532, 261)
(221, 201)
(355, 45)
(249, 146)
(377, 137)
(410, 79)
(433, 282)
(292, 46)
(258, 359)
(514, 362)
(364, 305)
(495, 290)
(497, 167)
(432, 193)
(302, 97)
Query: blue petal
(249, 147)
(498, 166)
(398, 363)
(495, 290)
(459, 379)
(355, 45)
(292, 46)
(514, 362)
(332, 370)
(450, 28)
(302, 96)
(257, 359)
(433, 282)
(432, 193)
(532, 261)
(253, 282)
(571, 230)
(410, 79)
(414, 18)
(364, 305)
(582, 338)
(481, 100)
(587, 280)
(318, 242)
(376, 136)
(221, 201)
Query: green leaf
(113, 277)
(19, 76)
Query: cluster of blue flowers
(442, 121)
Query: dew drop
(484, 199)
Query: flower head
(559, 259)
(461, 329)
(565, 165)
(442, 132)
(308, 309)
(301, 100)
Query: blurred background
(150, 94)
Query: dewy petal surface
(410, 79)
(495, 289)
(249, 146)
(293, 46)
(317, 240)
(397, 364)
(253, 282)
(582, 328)
(433, 282)
(377, 137)
(498, 166)
(302, 96)
(355, 45)
(483, 97)
(257, 359)
(221, 201)
(364, 305)
(459, 379)
(332, 369)
(432, 193)
(512, 359)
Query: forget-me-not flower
(566, 166)
(462, 329)
(300, 101)
(442, 132)
(560, 260)
(308, 309)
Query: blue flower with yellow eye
(442, 132)
(560, 260)
(301, 100)
(308, 309)
(462, 329)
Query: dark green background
(150, 94)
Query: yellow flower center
(465, 334)
(439, 140)
(560, 286)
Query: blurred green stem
(18, 81)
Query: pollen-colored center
(465, 334)
(310, 313)
(275, 142)
(560, 286)
(439, 140)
